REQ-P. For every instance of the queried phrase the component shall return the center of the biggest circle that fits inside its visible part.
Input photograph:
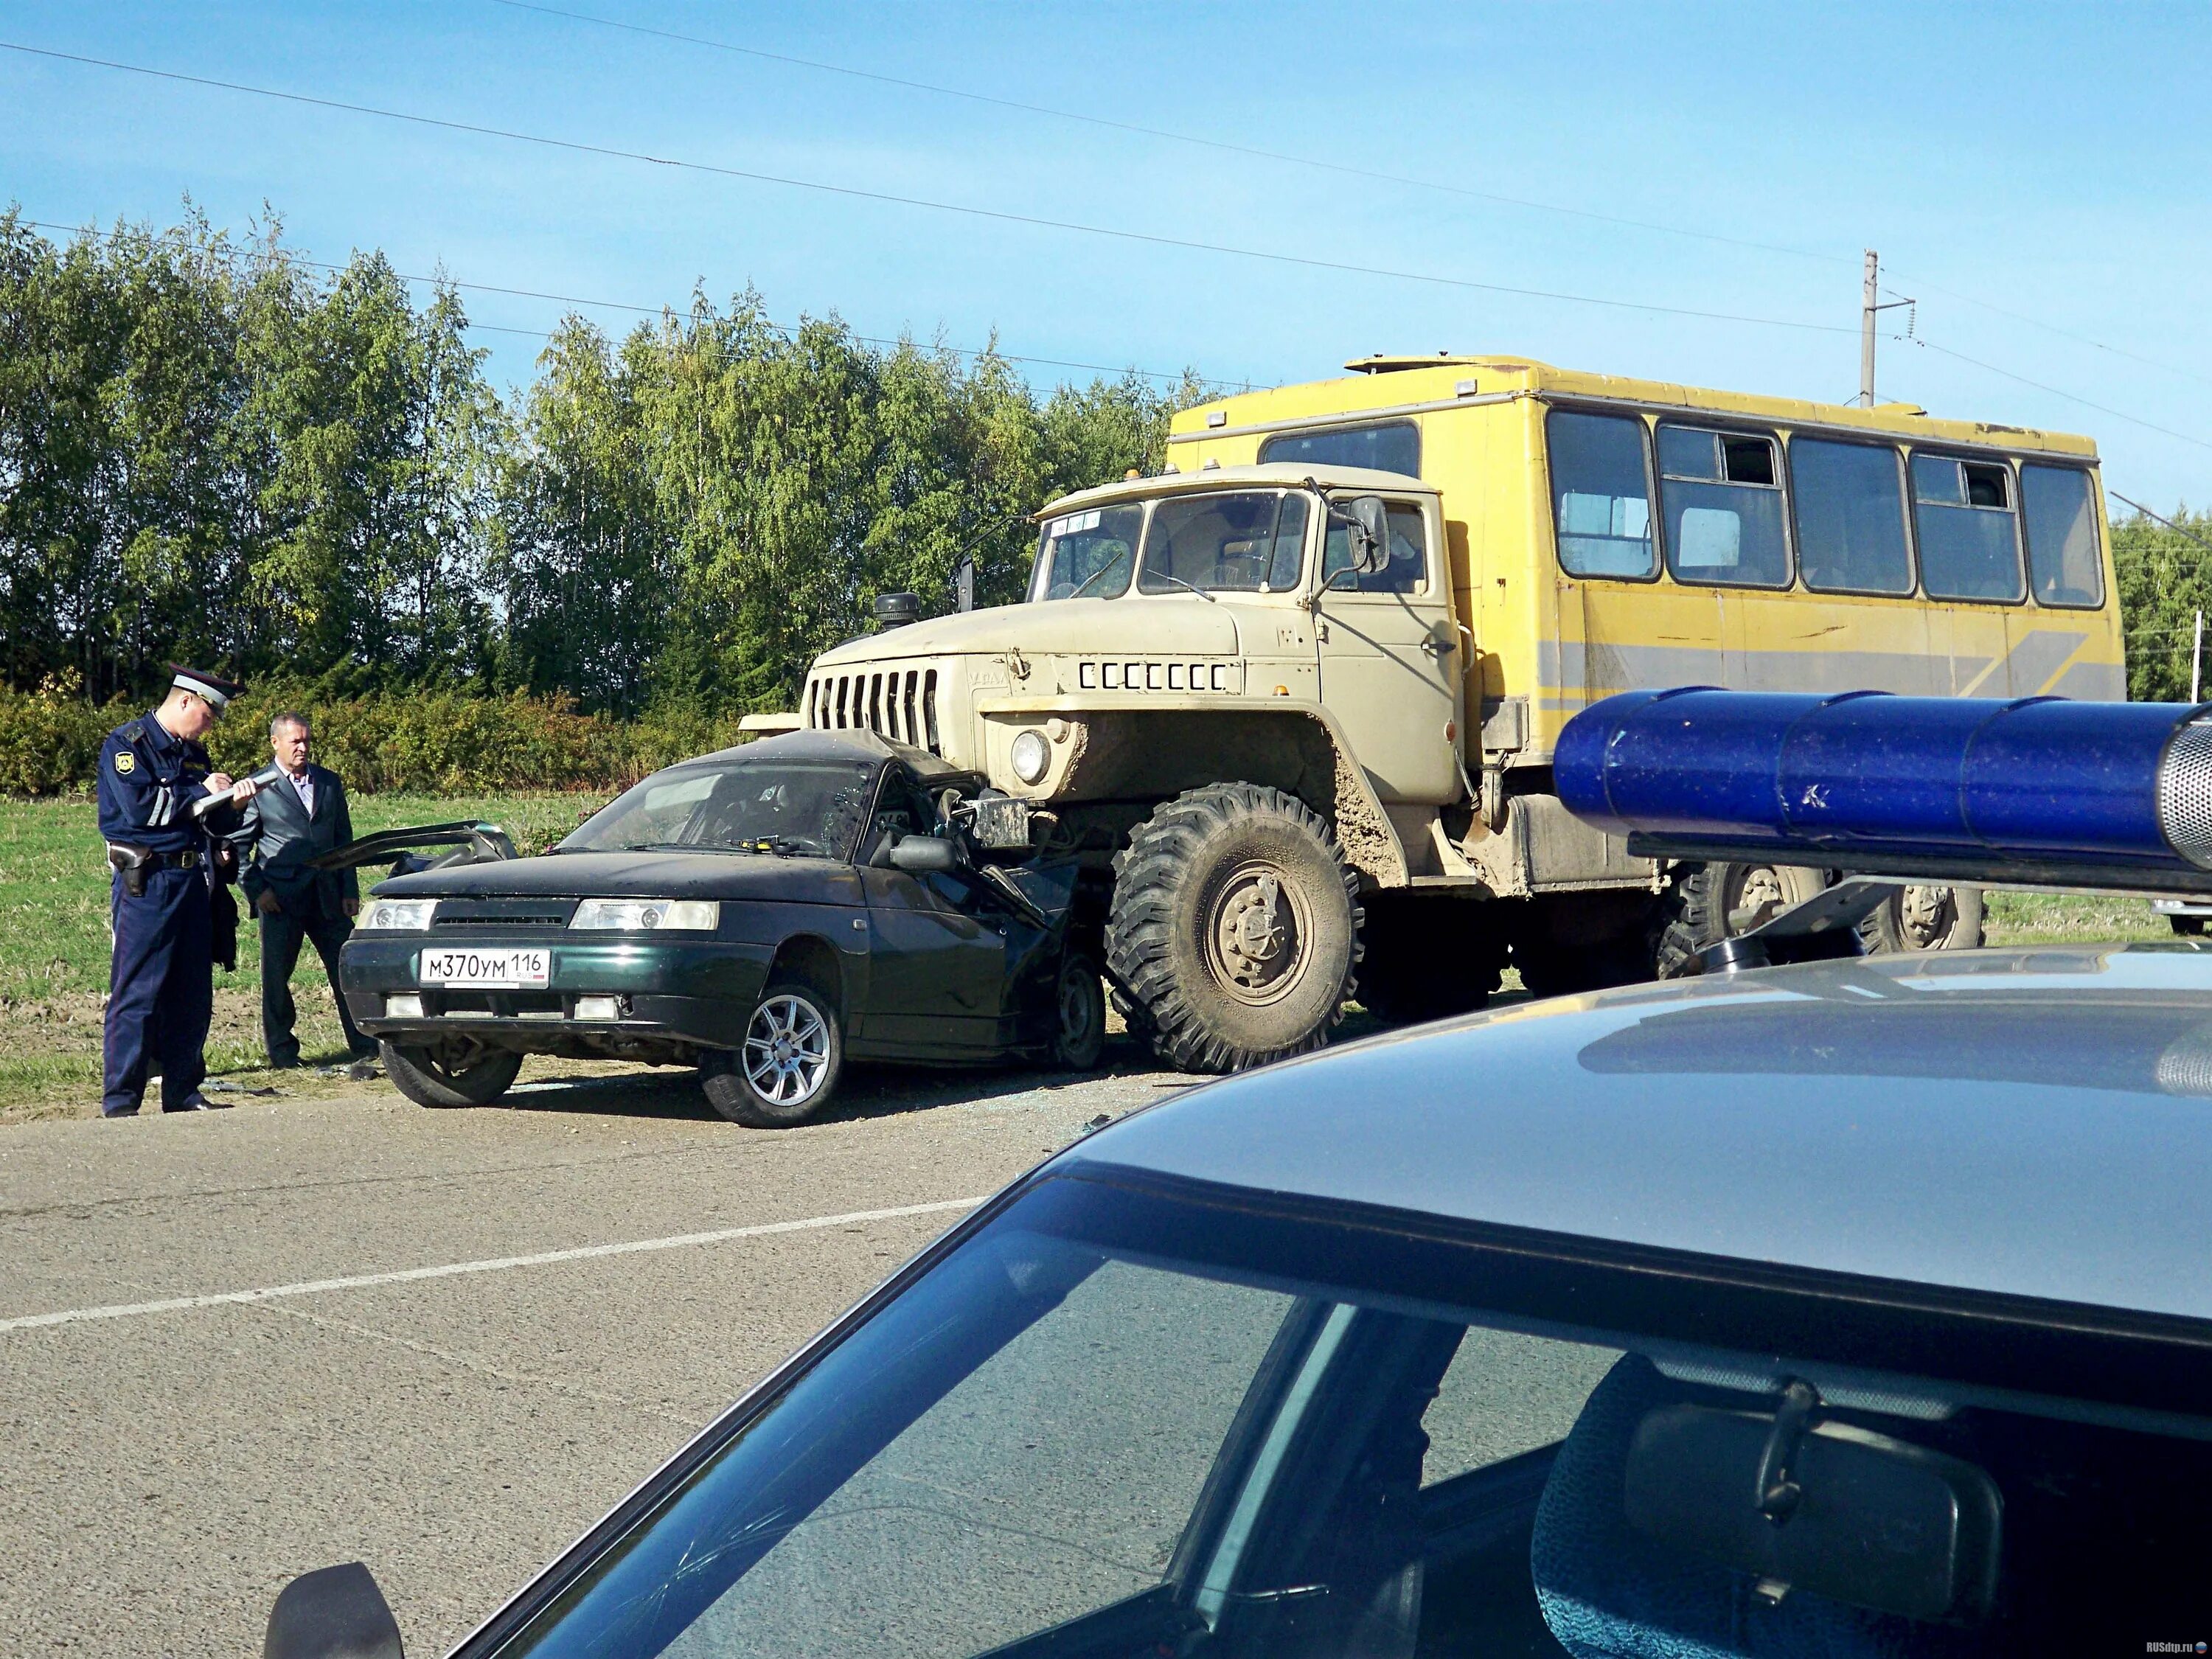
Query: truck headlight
(1030, 757)
(646, 915)
(395, 915)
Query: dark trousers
(160, 989)
(280, 953)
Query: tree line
(214, 451)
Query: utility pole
(1868, 306)
(2197, 661)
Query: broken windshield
(1087, 555)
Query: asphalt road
(169, 1467)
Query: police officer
(161, 988)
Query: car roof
(2033, 1124)
(853, 745)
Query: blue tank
(1870, 781)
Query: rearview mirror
(920, 854)
(334, 1613)
(1869, 1520)
(1369, 522)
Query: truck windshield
(1249, 542)
(1088, 555)
(807, 808)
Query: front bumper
(670, 998)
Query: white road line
(584, 1253)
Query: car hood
(1170, 623)
(639, 875)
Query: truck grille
(898, 703)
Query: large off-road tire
(1926, 919)
(1708, 902)
(1235, 927)
(1427, 958)
(788, 1064)
(425, 1080)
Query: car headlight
(645, 915)
(1032, 756)
(395, 915)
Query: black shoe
(198, 1104)
(291, 1065)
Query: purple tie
(307, 788)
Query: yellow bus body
(1548, 643)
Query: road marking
(497, 1264)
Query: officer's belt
(140, 857)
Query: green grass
(53, 937)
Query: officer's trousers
(280, 953)
(161, 990)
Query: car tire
(1235, 927)
(1708, 902)
(788, 1067)
(1925, 919)
(1428, 958)
(420, 1076)
(1080, 1009)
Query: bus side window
(1969, 533)
(1723, 498)
(2062, 536)
(1600, 494)
(1850, 516)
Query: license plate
(459, 964)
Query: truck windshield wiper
(1169, 576)
(1098, 575)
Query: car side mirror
(922, 854)
(334, 1613)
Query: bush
(430, 742)
(50, 739)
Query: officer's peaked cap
(213, 688)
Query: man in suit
(300, 816)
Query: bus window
(1390, 446)
(1600, 494)
(2062, 536)
(1723, 496)
(1850, 516)
(1969, 537)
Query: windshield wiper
(1169, 576)
(1098, 575)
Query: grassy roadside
(53, 944)
(54, 947)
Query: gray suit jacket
(283, 837)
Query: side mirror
(1369, 521)
(920, 854)
(337, 1612)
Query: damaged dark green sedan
(766, 914)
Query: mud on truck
(1290, 704)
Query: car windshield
(807, 808)
(1127, 1419)
(1087, 555)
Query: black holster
(131, 863)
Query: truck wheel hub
(1257, 944)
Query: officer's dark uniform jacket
(160, 988)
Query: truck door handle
(1438, 648)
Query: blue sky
(2052, 161)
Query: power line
(2071, 398)
(1343, 169)
(996, 215)
(2180, 529)
(656, 311)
